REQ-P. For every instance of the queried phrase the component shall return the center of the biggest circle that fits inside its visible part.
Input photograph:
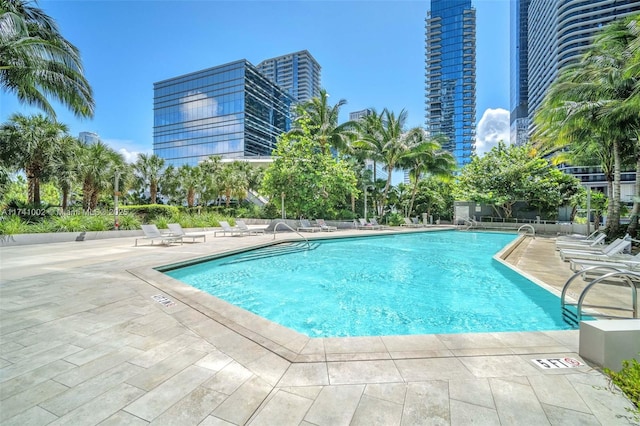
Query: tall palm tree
(36, 61)
(321, 120)
(149, 170)
(31, 143)
(184, 183)
(395, 145)
(99, 165)
(600, 94)
(66, 167)
(426, 158)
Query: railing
(617, 276)
(275, 228)
(528, 228)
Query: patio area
(91, 334)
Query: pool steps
(276, 250)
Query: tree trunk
(191, 197)
(613, 222)
(633, 224)
(386, 190)
(153, 189)
(94, 199)
(65, 198)
(413, 196)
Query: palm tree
(426, 158)
(99, 165)
(36, 61)
(184, 183)
(66, 167)
(395, 145)
(31, 144)
(321, 120)
(600, 95)
(149, 170)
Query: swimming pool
(400, 284)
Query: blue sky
(371, 53)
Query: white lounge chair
(323, 225)
(374, 222)
(618, 261)
(597, 240)
(227, 229)
(252, 231)
(618, 246)
(578, 237)
(176, 229)
(367, 225)
(151, 232)
(409, 223)
(305, 226)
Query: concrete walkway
(91, 334)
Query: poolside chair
(366, 225)
(597, 240)
(305, 226)
(252, 231)
(374, 222)
(578, 237)
(227, 229)
(618, 246)
(408, 223)
(323, 225)
(416, 222)
(618, 261)
(176, 229)
(151, 232)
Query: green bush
(149, 213)
(68, 223)
(10, 225)
(129, 222)
(628, 380)
(394, 219)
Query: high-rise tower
(519, 117)
(450, 75)
(297, 73)
(559, 31)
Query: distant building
(297, 73)
(450, 75)
(88, 138)
(519, 84)
(357, 115)
(231, 110)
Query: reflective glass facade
(450, 75)
(559, 32)
(230, 110)
(297, 73)
(519, 72)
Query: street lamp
(116, 193)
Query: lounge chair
(366, 225)
(252, 231)
(374, 222)
(323, 225)
(305, 226)
(597, 240)
(618, 246)
(416, 222)
(176, 229)
(409, 223)
(151, 232)
(618, 261)
(578, 237)
(227, 229)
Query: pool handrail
(528, 227)
(275, 228)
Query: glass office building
(519, 83)
(297, 73)
(230, 110)
(450, 75)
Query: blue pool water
(422, 283)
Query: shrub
(10, 225)
(394, 219)
(628, 380)
(68, 223)
(129, 222)
(151, 212)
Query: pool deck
(83, 342)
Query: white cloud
(127, 148)
(492, 128)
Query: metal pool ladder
(572, 312)
(286, 225)
(528, 228)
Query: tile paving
(83, 342)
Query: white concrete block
(608, 342)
